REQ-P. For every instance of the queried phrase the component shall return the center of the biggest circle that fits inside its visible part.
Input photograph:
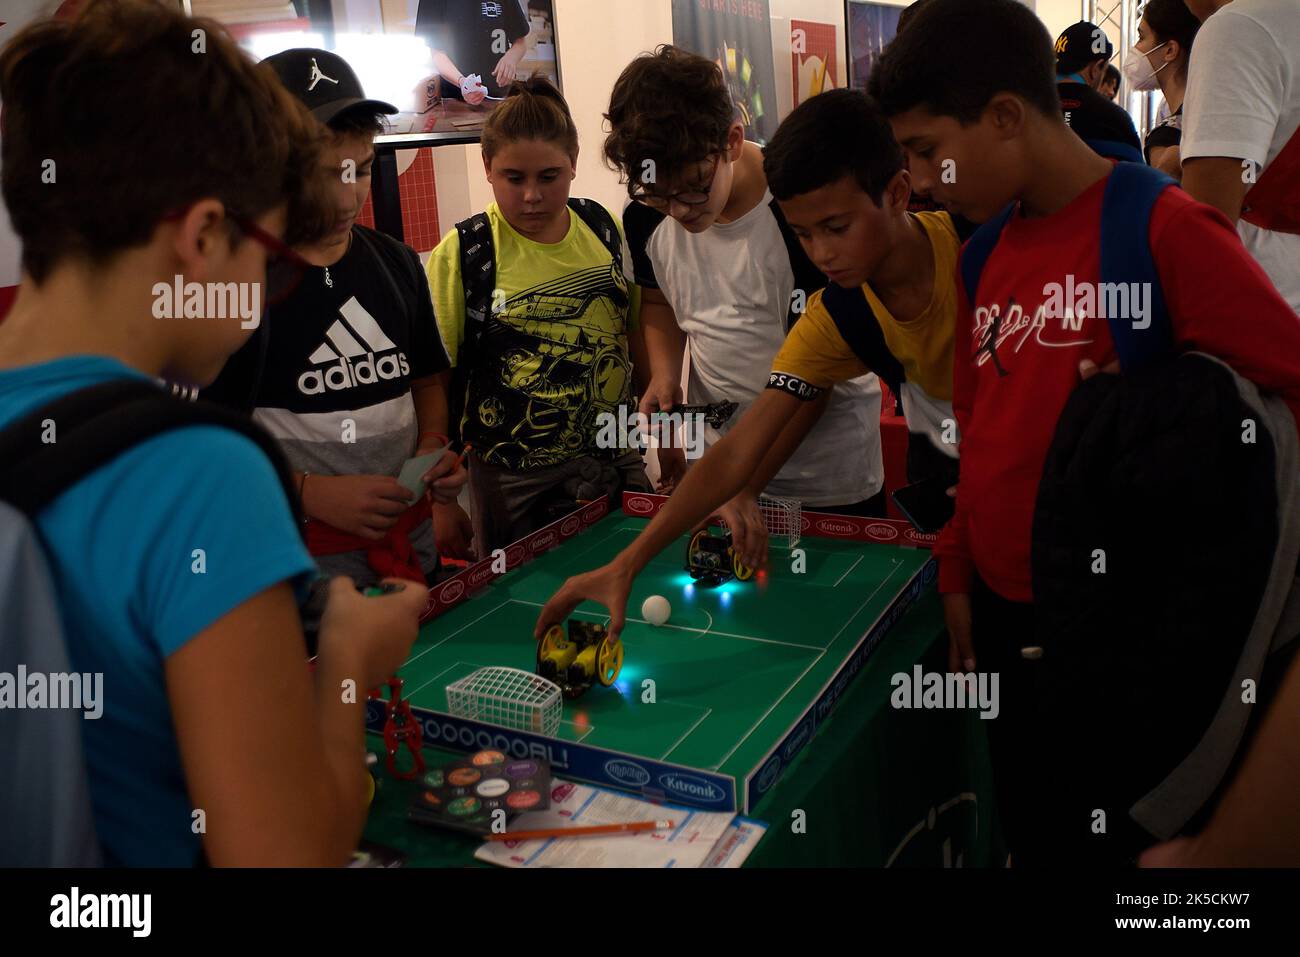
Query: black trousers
(1046, 807)
(1018, 743)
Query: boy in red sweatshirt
(983, 129)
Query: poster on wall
(737, 35)
(870, 27)
(445, 64)
(813, 53)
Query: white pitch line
(846, 574)
(858, 611)
(706, 631)
(689, 732)
(585, 731)
(826, 651)
(439, 675)
(763, 717)
(448, 638)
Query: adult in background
(1160, 59)
(1082, 53)
(1240, 149)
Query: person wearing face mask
(1159, 60)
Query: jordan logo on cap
(317, 76)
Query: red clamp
(400, 728)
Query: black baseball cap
(1075, 47)
(324, 81)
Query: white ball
(656, 609)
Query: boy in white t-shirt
(723, 276)
(1240, 148)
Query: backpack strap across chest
(95, 425)
(1132, 191)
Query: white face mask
(1137, 70)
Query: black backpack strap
(97, 424)
(807, 277)
(600, 222)
(858, 326)
(478, 275)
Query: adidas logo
(353, 354)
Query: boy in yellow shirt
(848, 206)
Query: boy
(722, 276)
(350, 382)
(1083, 52)
(996, 122)
(176, 563)
(839, 176)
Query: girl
(1166, 30)
(535, 309)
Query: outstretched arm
(721, 473)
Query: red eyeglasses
(284, 267)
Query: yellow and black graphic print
(554, 357)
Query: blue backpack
(1131, 194)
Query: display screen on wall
(738, 37)
(445, 64)
(870, 27)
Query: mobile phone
(926, 504)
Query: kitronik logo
(835, 528)
(686, 785)
(798, 740)
(880, 530)
(355, 352)
(75, 909)
(627, 772)
(452, 591)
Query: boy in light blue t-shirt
(174, 563)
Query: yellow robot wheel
(609, 660)
(743, 572)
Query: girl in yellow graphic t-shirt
(535, 310)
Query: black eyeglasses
(697, 196)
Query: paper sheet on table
(689, 844)
(736, 843)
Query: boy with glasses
(724, 277)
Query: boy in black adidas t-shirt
(345, 373)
